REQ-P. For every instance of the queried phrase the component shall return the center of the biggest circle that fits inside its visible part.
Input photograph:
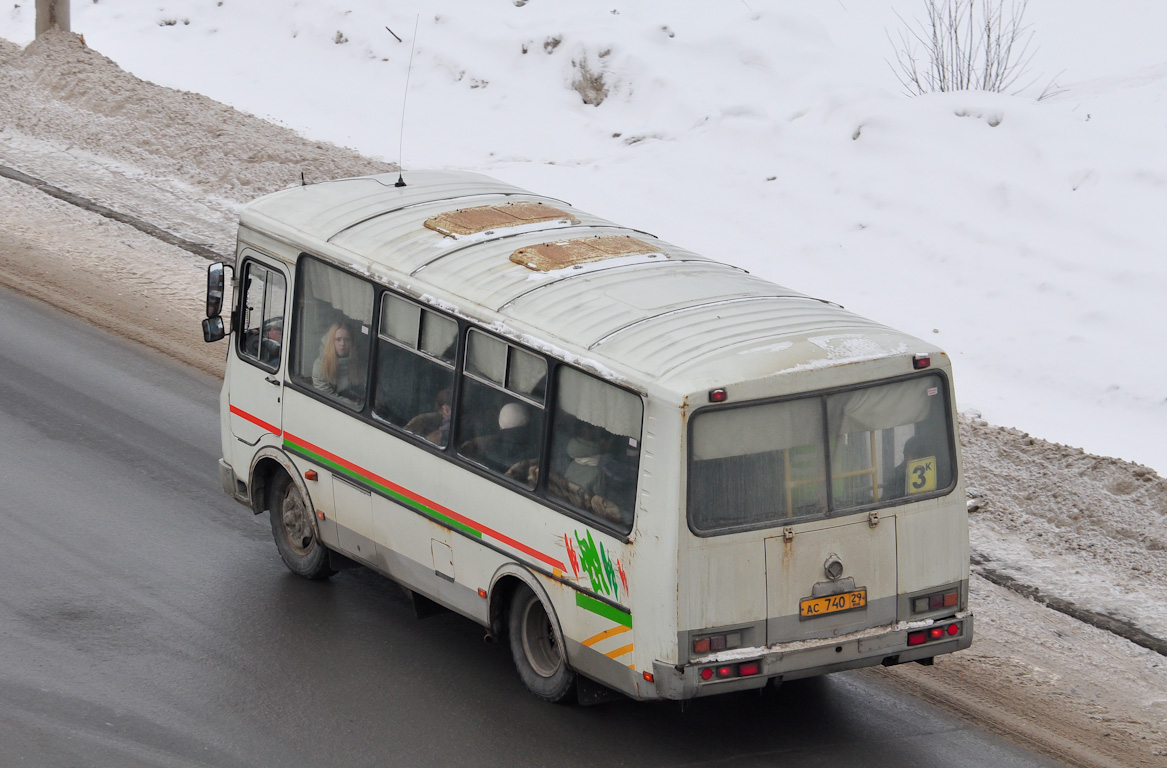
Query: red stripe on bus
(429, 503)
(257, 422)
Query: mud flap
(423, 607)
(339, 562)
(589, 692)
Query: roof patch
(472, 221)
(561, 254)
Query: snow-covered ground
(1024, 236)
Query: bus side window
(595, 447)
(415, 369)
(334, 316)
(500, 415)
(261, 331)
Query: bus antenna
(404, 98)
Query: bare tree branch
(967, 45)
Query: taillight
(717, 643)
(936, 601)
(729, 671)
(921, 636)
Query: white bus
(645, 468)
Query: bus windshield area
(770, 463)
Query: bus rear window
(767, 464)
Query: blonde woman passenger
(338, 370)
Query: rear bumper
(807, 658)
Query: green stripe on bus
(371, 484)
(603, 609)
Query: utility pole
(52, 14)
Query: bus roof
(568, 278)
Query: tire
(295, 535)
(539, 658)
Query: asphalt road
(147, 620)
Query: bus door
(256, 381)
(831, 580)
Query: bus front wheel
(291, 525)
(538, 655)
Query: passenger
(337, 370)
(579, 475)
(272, 341)
(594, 470)
(434, 426)
(585, 451)
(512, 444)
(618, 471)
(511, 449)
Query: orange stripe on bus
(619, 652)
(606, 634)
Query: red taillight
(718, 395)
(922, 636)
(728, 671)
(921, 361)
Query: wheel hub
(295, 520)
(539, 642)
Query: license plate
(813, 607)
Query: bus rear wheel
(291, 525)
(539, 657)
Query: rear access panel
(831, 580)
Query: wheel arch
(502, 589)
(267, 462)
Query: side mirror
(216, 286)
(213, 329)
